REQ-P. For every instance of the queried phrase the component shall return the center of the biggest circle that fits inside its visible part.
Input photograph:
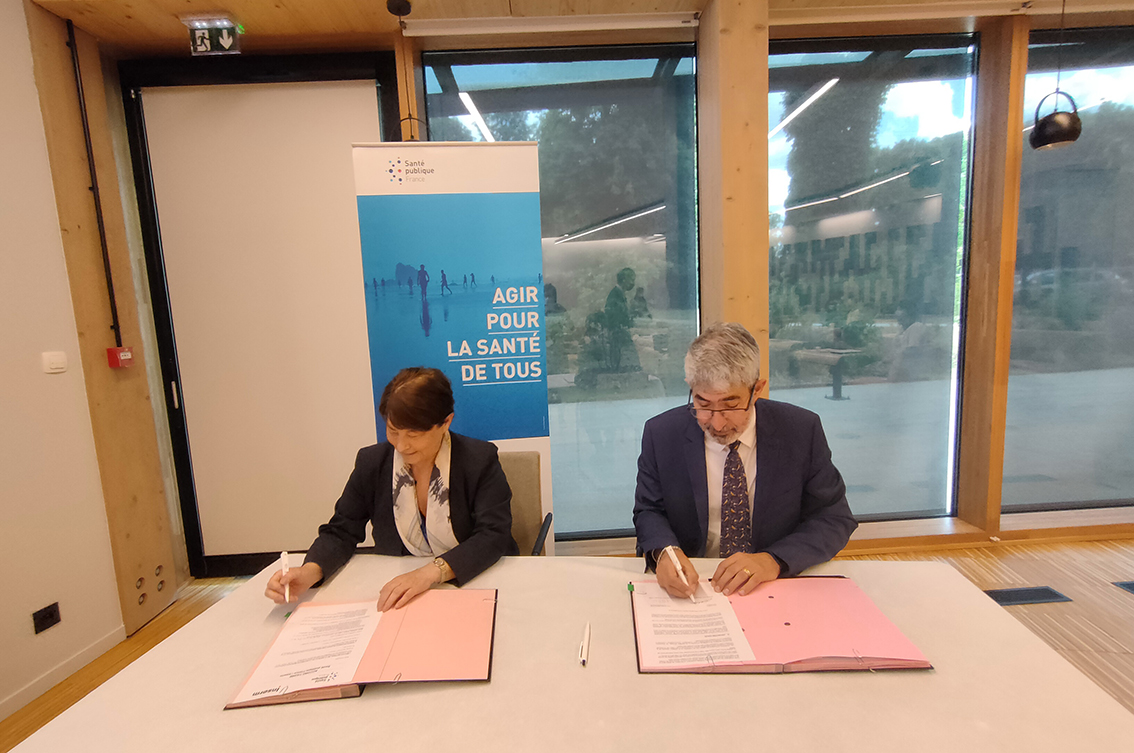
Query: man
(730, 476)
(623, 353)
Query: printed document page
(320, 645)
(675, 633)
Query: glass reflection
(1070, 427)
(616, 133)
(868, 183)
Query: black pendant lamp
(1058, 128)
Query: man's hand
(402, 589)
(743, 572)
(670, 580)
(299, 578)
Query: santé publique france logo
(408, 171)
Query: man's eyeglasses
(706, 414)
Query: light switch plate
(54, 362)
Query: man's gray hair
(725, 354)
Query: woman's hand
(402, 589)
(299, 578)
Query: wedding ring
(748, 572)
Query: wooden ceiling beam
(137, 28)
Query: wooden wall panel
(992, 259)
(732, 148)
(121, 415)
(411, 89)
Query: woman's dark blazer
(479, 507)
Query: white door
(255, 199)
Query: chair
(528, 528)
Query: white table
(996, 686)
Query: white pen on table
(287, 586)
(585, 646)
(680, 572)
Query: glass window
(1070, 430)
(617, 152)
(869, 143)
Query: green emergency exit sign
(214, 40)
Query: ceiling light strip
(476, 116)
(874, 185)
(604, 226)
(806, 103)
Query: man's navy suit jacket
(799, 511)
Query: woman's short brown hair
(417, 399)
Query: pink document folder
(812, 624)
(442, 635)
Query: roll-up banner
(453, 272)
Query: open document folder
(808, 624)
(329, 650)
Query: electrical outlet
(46, 617)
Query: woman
(427, 491)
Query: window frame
(679, 50)
(1002, 59)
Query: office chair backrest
(522, 470)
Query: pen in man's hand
(680, 572)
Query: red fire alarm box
(119, 358)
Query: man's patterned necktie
(736, 522)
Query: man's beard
(724, 439)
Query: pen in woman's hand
(287, 584)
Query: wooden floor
(1094, 631)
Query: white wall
(54, 542)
